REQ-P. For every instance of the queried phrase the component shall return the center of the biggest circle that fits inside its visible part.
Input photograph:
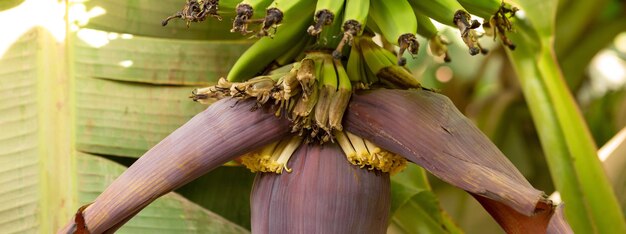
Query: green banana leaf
(153, 60)
(571, 153)
(414, 206)
(8, 4)
(132, 92)
(20, 176)
(143, 18)
(127, 119)
(225, 191)
(171, 213)
(42, 178)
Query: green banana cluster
(310, 56)
(290, 27)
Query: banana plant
(295, 195)
(322, 131)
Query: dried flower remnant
(466, 26)
(196, 11)
(499, 24)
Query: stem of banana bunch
(570, 150)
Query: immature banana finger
(266, 49)
(245, 11)
(340, 100)
(325, 13)
(328, 88)
(287, 10)
(355, 17)
(450, 12)
(397, 23)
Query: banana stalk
(397, 23)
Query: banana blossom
(325, 193)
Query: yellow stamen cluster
(364, 153)
(273, 157)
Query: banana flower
(324, 193)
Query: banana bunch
(291, 27)
(311, 56)
(301, 67)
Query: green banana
(438, 46)
(280, 10)
(397, 24)
(354, 20)
(355, 16)
(355, 64)
(340, 100)
(296, 52)
(325, 13)
(245, 11)
(330, 38)
(328, 88)
(266, 49)
(440, 10)
(482, 8)
(380, 63)
(227, 5)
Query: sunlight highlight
(48, 14)
(126, 63)
(609, 70)
(97, 38)
(79, 15)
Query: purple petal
(427, 128)
(211, 138)
(323, 194)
